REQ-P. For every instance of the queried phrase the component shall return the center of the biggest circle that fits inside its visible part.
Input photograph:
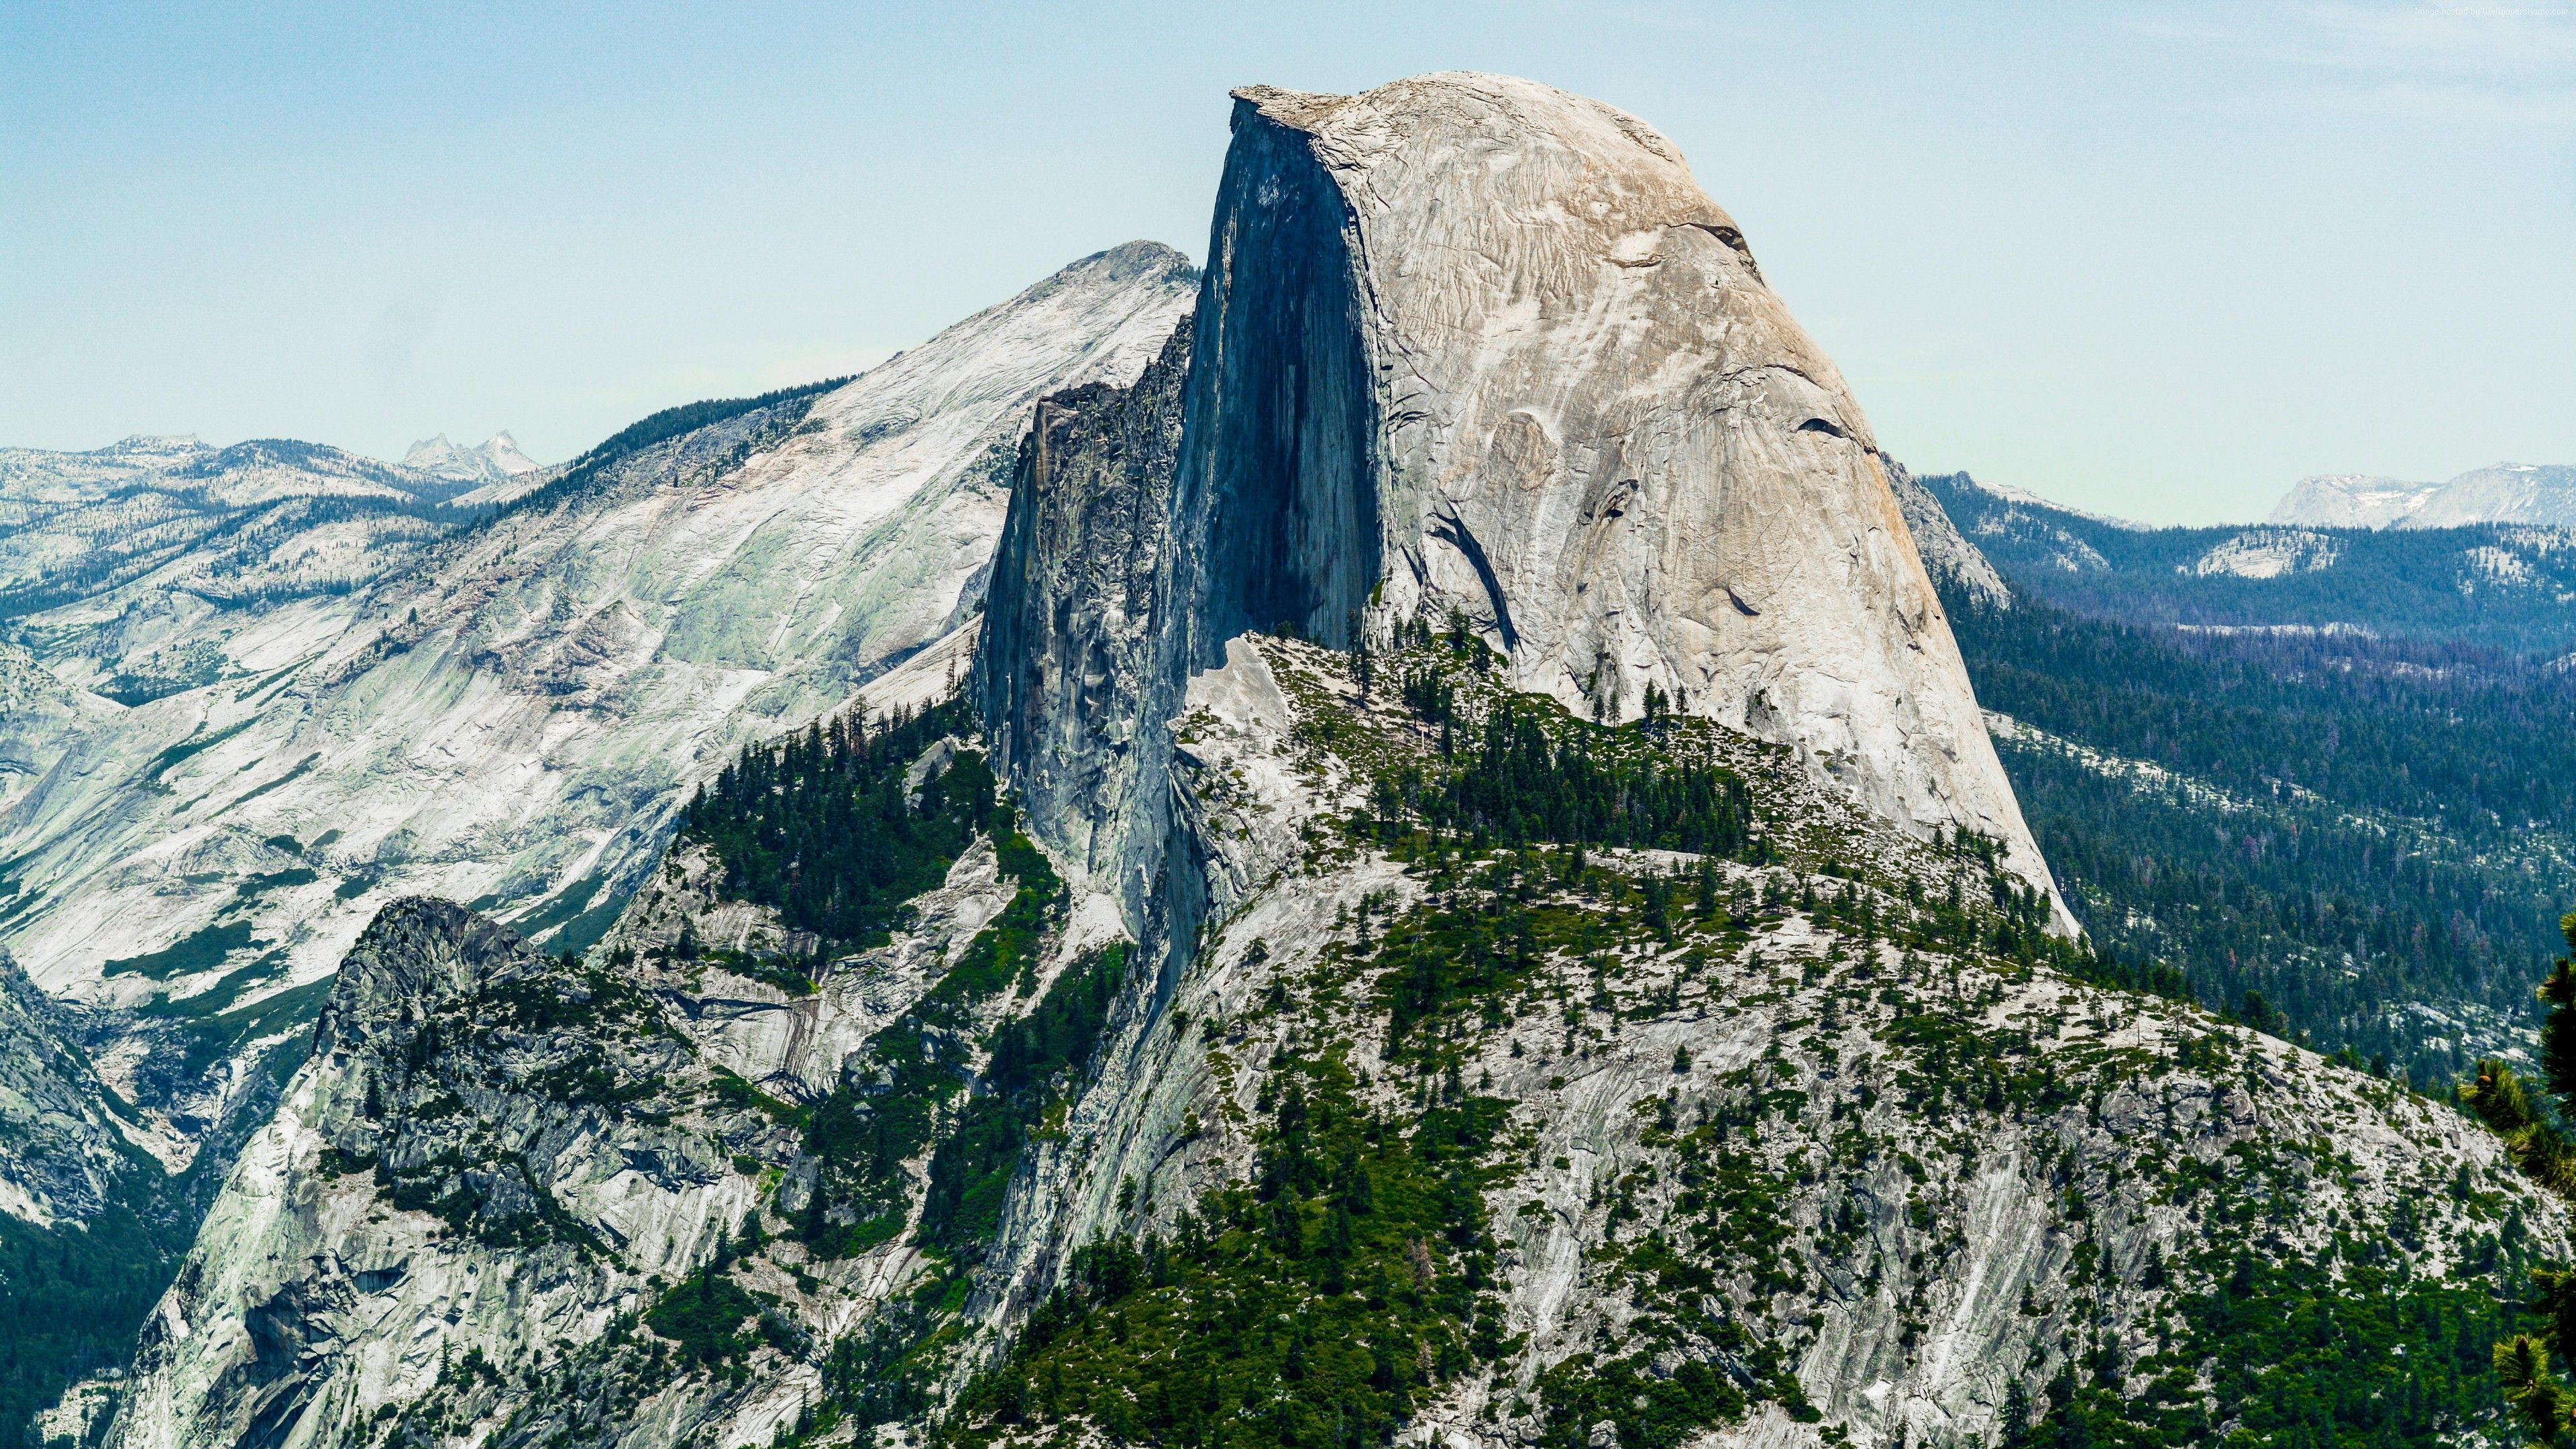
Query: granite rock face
(465, 1092)
(64, 1148)
(496, 1161)
(1470, 343)
(1947, 555)
(1065, 663)
(514, 718)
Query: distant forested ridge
(2505, 587)
(2371, 836)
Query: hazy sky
(2154, 260)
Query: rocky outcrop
(1947, 555)
(1064, 670)
(498, 1159)
(65, 1152)
(2350, 500)
(495, 460)
(1471, 343)
(2526, 493)
(2268, 553)
(491, 1151)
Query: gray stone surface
(1469, 342)
(1911, 1327)
(65, 1149)
(515, 718)
(1947, 555)
(1062, 671)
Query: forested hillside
(2369, 835)
(2506, 587)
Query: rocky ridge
(2350, 500)
(1810, 1112)
(495, 460)
(159, 565)
(1066, 661)
(512, 721)
(2507, 493)
(1948, 557)
(1905, 1174)
(499, 1167)
(64, 1145)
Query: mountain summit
(2538, 494)
(1471, 345)
(1587, 422)
(496, 459)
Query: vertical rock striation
(1592, 427)
(1061, 671)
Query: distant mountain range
(496, 460)
(2501, 585)
(158, 564)
(2526, 493)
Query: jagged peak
(418, 950)
(494, 459)
(504, 453)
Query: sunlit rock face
(514, 719)
(1062, 669)
(1467, 343)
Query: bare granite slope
(1471, 342)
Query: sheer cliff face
(1947, 555)
(1472, 343)
(1062, 666)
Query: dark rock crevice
(1276, 498)
(1233, 488)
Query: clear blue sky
(2154, 260)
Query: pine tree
(2541, 1149)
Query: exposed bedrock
(1468, 343)
(1602, 436)
(1061, 670)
